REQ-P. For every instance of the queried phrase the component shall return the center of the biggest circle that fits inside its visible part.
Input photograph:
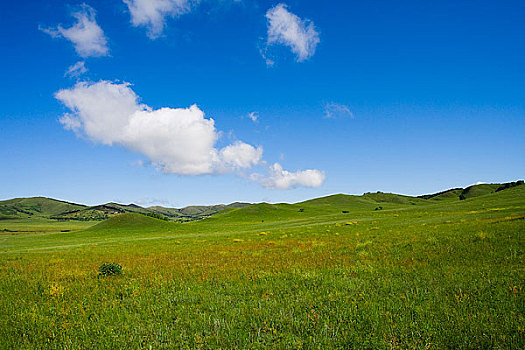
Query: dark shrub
(110, 269)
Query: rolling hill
(52, 209)
(471, 191)
(36, 207)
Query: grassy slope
(39, 207)
(479, 190)
(439, 275)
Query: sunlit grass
(433, 276)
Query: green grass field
(327, 273)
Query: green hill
(340, 201)
(36, 207)
(47, 208)
(195, 212)
(471, 191)
(132, 222)
(100, 212)
(380, 197)
(452, 194)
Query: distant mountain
(195, 212)
(100, 212)
(48, 208)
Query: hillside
(195, 212)
(52, 209)
(40, 207)
(471, 191)
(131, 222)
(109, 210)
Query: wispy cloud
(139, 163)
(288, 29)
(151, 201)
(76, 70)
(86, 35)
(152, 14)
(254, 117)
(336, 110)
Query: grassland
(327, 273)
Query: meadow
(378, 271)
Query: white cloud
(282, 179)
(288, 29)
(178, 140)
(152, 13)
(254, 116)
(76, 70)
(86, 35)
(240, 155)
(151, 201)
(139, 163)
(336, 110)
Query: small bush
(110, 269)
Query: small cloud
(240, 155)
(254, 116)
(152, 13)
(337, 110)
(282, 179)
(288, 29)
(76, 70)
(86, 35)
(139, 163)
(151, 201)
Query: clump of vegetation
(509, 185)
(157, 216)
(110, 269)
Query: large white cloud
(86, 35)
(152, 13)
(178, 140)
(283, 179)
(288, 29)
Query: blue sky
(408, 97)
